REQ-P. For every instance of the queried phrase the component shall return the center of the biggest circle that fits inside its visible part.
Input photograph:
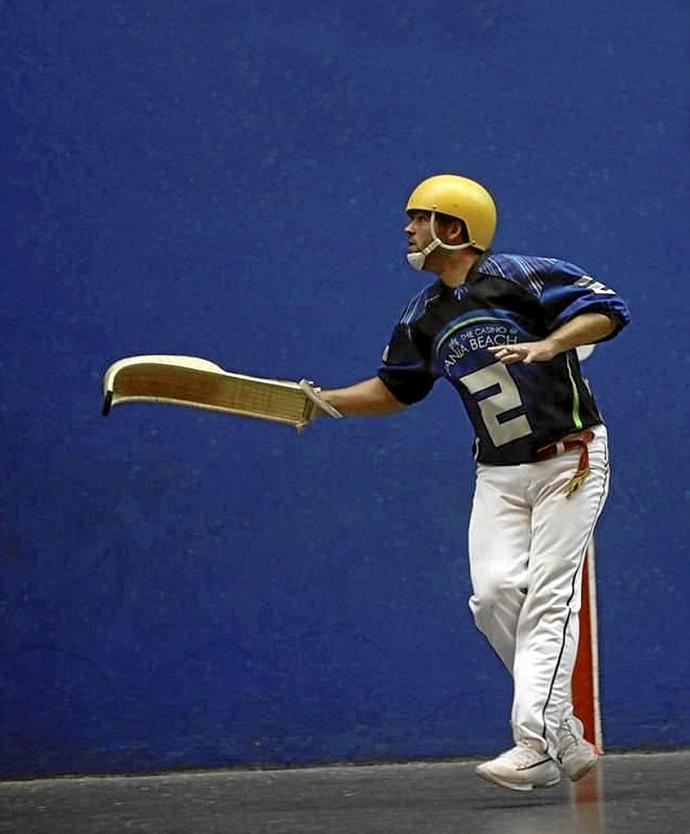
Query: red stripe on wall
(584, 692)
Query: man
(503, 329)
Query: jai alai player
(503, 330)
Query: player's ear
(455, 232)
(453, 229)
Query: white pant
(527, 544)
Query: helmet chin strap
(416, 259)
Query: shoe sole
(513, 786)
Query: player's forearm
(367, 398)
(584, 329)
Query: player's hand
(526, 352)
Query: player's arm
(367, 398)
(403, 379)
(584, 329)
(577, 310)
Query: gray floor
(630, 793)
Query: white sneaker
(575, 755)
(521, 769)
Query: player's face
(418, 230)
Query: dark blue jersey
(515, 409)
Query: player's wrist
(316, 395)
(554, 345)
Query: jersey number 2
(495, 406)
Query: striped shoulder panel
(417, 305)
(527, 272)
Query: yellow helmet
(462, 198)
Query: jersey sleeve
(403, 369)
(568, 291)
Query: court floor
(632, 793)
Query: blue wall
(228, 180)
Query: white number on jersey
(593, 285)
(492, 407)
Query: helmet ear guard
(461, 198)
